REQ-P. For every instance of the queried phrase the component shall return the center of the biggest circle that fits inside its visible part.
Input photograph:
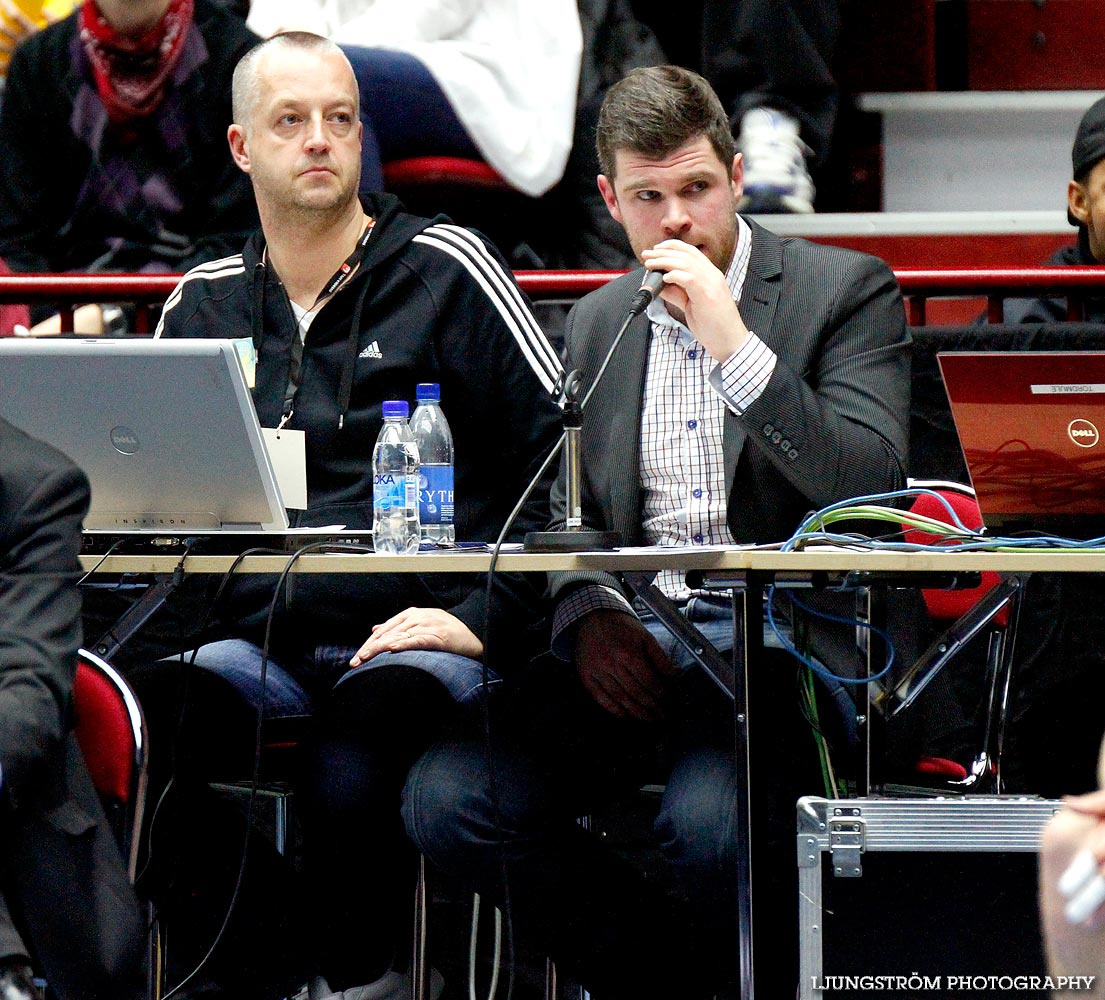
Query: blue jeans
(369, 726)
(557, 756)
(290, 685)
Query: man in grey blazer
(65, 900)
(770, 377)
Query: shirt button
(696, 493)
(698, 538)
(692, 424)
(692, 355)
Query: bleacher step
(936, 239)
(977, 151)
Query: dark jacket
(1055, 310)
(61, 874)
(430, 303)
(74, 196)
(832, 423)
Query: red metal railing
(147, 292)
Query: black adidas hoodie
(431, 302)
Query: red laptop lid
(1030, 425)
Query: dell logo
(1083, 433)
(124, 440)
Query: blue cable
(816, 667)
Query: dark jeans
(756, 53)
(558, 756)
(346, 914)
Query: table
(746, 570)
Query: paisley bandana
(131, 72)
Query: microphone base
(571, 541)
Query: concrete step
(977, 151)
(936, 239)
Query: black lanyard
(340, 277)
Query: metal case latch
(846, 842)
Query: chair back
(949, 605)
(111, 732)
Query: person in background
(767, 60)
(770, 63)
(1086, 211)
(65, 902)
(483, 79)
(113, 126)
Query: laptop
(1030, 425)
(164, 429)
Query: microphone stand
(574, 538)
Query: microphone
(650, 288)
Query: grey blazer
(831, 424)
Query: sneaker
(17, 982)
(775, 175)
(390, 986)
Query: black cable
(102, 560)
(485, 707)
(255, 777)
(493, 790)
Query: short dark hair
(656, 110)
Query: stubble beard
(308, 209)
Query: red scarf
(131, 72)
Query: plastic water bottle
(395, 484)
(435, 472)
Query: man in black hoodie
(349, 304)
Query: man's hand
(621, 665)
(420, 628)
(695, 288)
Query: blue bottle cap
(397, 408)
(428, 392)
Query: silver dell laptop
(165, 430)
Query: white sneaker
(390, 986)
(775, 175)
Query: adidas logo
(372, 351)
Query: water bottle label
(389, 491)
(435, 494)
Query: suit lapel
(625, 380)
(759, 297)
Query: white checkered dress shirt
(681, 462)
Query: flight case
(924, 890)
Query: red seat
(959, 610)
(111, 733)
(456, 171)
(948, 605)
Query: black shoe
(17, 982)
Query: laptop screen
(1030, 425)
(164, 429)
